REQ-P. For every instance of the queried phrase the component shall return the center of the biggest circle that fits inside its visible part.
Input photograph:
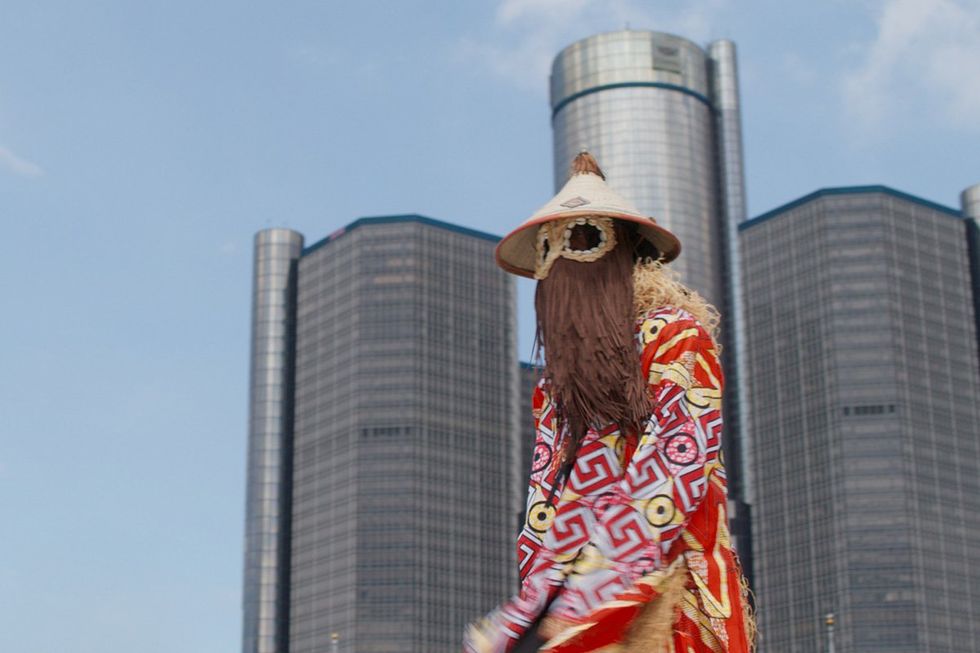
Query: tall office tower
(662, 116)
(862, 352)
(400, 456)
(266, 588)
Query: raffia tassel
(748, 611)
(585, 164)
(653, 628)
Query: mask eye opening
(585, 237)
(643, 249)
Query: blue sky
(143, 144)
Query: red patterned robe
(633, 552)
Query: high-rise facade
(662, 116)
(862, 356)
(395, 435)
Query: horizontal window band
(607, 87)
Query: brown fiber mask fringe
(585, 326)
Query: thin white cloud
(924, 60)
(18, 165)
(527, 34)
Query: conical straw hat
(585, 193)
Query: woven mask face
(584, 239)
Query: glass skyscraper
(645, 104)
(270, 423)
(862, 355)
(662, 116)
(383, 480)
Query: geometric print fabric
(625, 513)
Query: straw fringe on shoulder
(655, 285)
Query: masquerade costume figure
(625, 545)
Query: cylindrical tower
(270, 426)
(970, 202)
(663, 117)
(640, 101)
(723, 79)
(970, 205)
(723, 76)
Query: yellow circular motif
(660, 510)
(650, 328)
(540, 516)
(620, 447)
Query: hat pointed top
(585, 164)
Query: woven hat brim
(516, 251)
